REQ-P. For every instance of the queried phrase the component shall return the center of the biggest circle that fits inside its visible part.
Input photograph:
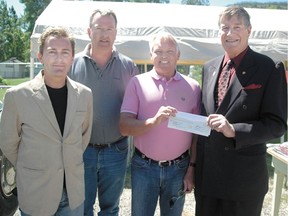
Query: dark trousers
(210, 206)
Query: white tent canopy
(194, 26)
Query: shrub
(3, 81)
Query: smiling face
(164, 55)
(234, 34)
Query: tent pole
(31, 68)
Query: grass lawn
(12, 82)
(2, 92)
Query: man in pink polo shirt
(160, 165)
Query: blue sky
(19, 8)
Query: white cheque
(188, 122)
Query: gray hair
(163, 36)
(238, 11)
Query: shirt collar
(156, 76)
(88, 48)
(237, 59)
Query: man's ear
(89, 32)
(249, 29)
(40, 57)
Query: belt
(163, 163)
(105, 145)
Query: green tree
(195, 2)
(33, 9)
(266, 5)
(13, 41)
(146, 1)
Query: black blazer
(256, 105)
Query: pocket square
(252, 86)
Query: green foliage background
(10, 82)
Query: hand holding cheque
(188, 122)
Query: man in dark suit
(231, 171)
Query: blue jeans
(64, 209)
(105, 170)
(150, 182)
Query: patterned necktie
(223, 81)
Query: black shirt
(58, 99)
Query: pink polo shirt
(145, 94)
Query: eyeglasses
(174, 199)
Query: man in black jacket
(231, 172)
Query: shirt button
(244, 107)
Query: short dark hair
(107, 12)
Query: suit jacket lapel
(246, 68)
(213, 73)
(230, 97)
(243, 75)
(72, 101)
(42, 99)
